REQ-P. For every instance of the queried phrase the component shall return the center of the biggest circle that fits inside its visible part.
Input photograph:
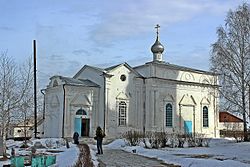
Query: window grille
(169, 115)
(122, 113)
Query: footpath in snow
(114, 158)
(220, 153)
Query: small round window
(123, 77)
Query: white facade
(146, 90)
(156, 96)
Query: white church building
(155, 96)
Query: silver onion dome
(157, 47)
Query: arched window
(205, 116)
(122, 113)
(169, 115)
(81, 112)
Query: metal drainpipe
(64, 101)
(42, 91)
(180, 117)
(144, 107)
(194, 119)
(104, 101)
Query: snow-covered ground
(64, 156)
(220, 153)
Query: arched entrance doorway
(82, 123)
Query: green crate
(50, 160)
(17, 161)
(43, 161)
(38, 161)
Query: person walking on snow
(99, 137)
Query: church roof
(80, 82)
(97, 68)
(177, 67)
(92, 67)
(126, 65)
(108, 69)
(112, 67)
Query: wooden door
(85, 127)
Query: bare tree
(13, 87)
(231, 58)
(25, 111)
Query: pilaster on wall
(96, 94)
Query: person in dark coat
(99, 137)
(76, 138)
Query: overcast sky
(72, 33)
